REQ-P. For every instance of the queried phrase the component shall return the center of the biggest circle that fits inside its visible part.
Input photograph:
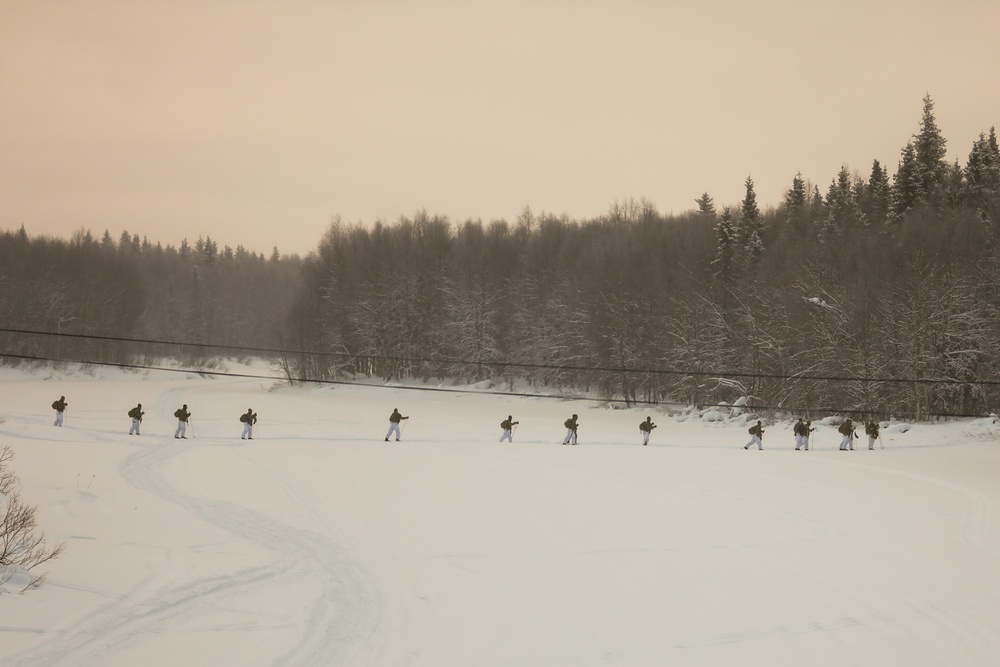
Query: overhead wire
(509, 363)
(756, 407)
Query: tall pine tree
(752, 227)
(906, 189)
(875, 202)
(930, 150)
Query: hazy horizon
(257, 123)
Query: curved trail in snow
(337, 626)
(978, 516)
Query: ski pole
(191, 424)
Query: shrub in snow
(22, 546)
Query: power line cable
(515, 364)
(452, 390)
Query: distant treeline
(130, 288)
(878, 296)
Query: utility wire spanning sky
(256, 123)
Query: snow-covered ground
(318, 543)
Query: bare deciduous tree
(22, 545)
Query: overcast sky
(256, 122)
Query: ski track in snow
(336, 628)
(977, 518)
(955, 617)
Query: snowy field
(318, 543)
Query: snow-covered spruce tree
(922, 165)
(22, 545)
(907, 190)
(930, 150)
(795, 204)
(726, 232)
(844, 214)
(751, 228)
(954, 191)
(875, 202)
(982, 171)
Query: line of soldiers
(182, 414)
(848, 430)
(645, 427)
(803, 430)
(507, 428)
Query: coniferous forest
(877, 293)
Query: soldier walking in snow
(801, 435)
(571, 425)
(394, 420)
(60, 407)
(136, 414)
(646, 427)
(807, 431)
(757, 437)
(183, 416)
(847, 430)
(872, 428)
(249, 419)
(508, 428)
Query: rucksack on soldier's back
(55, 405)
(243, 418)
(177, 413)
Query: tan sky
(256, 122)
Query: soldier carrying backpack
(872, 429)
(248, 419)
(508, 428)
(136, 414)
(646, 427)
(571, 425)
(847, 430)
(757, 437)
(183, 416)
(60, 407)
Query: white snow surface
(318, 543)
